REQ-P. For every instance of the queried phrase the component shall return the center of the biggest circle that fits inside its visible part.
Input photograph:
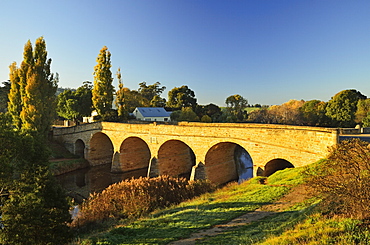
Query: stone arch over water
(100, 149)
(227, 161)
(134, 154)
(176, 159)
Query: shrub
(343, 180)
(137, 197)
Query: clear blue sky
(268, 51)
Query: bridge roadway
(220, 152)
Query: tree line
(33, 208)
(347, 108)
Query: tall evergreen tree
(102, 93)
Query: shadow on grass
(178, 223)
(259, 231)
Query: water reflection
(80, 183)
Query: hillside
(276, 210)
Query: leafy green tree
(75, 104)
(236, 105)
(102, 93)
(35, 210)
(206, 119)
(158, 101)
(180, 97)
(363, 112)
(33, 88)
(343, 106)
(35, 213)
(84, 95)
(210, 110)
(313, 112)
(134, 99)
(185, 114)
(67, 105)
(152, 93)
(4, 91)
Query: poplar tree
(120, 98)
(15, 98)
(33, 87)
(102, 93)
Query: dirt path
(296, 195)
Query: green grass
(316, 229)
(204, 212)
(300, 224)
(250, 109)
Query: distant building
(152, 114)
(91, 118)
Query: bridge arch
(100, 149)
(228, 161)
(134, 154)
(275, 165)
(80, 148)
(176, 159)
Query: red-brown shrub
(137, 197)
(343, 180)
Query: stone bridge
(220, 152)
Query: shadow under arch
(100, 149)
(80, 148)
(227, 161)
(176, 159)
(275, 165)
(134, 154)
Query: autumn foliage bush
(343, 180)
(136, 197)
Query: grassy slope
(299, 224)
(203, 212)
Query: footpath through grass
(204, 212)
(299, 224)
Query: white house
(152, 114)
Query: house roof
(153, 111)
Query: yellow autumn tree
(102, 93)
(33, 87)
(120, 98)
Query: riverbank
(62, 161)
(67, 165)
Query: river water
(80, 183)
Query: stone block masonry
(196, 149)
